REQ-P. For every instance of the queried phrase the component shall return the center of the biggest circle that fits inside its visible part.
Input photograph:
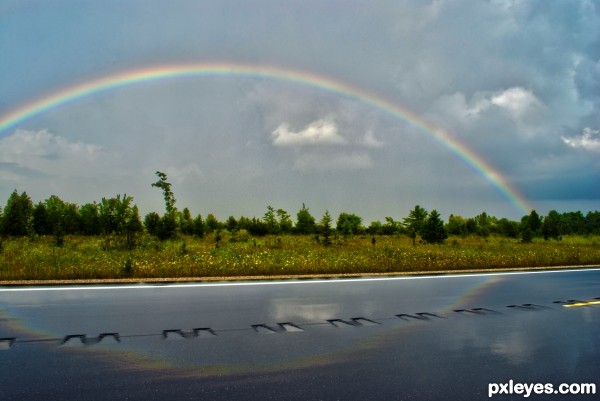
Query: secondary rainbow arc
(142, 75)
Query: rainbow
(143, 75)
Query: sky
(365, 107)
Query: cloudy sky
(515, 83)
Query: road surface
(401, 338)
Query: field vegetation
(57, 240)
(84, 257)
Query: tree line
(119, 216)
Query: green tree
(70, 221)
(199, 226)
(550, 225)
(457, 225)
(433, 230)
(151, 222)
(535, 221)
(89, 219)
(592, 222)
(257, 227)
(119, 217)
(186, 223)
(168, 223)
(471, 226)
(211, 224)
(325, 228)
(133, 225)
(414, 222)
(285, 221)
(41, 225)
(305, 222)
(484, 225)
(168, 195)
(532, 222)
(167, 227)
(375, 228)
(271, 221)
(55, 208)
(390, 227)
(113, 213)
(508, 228)
(17, 216)
(231, 224)
(572, 223)
(349, 224)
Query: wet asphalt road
(404, 338)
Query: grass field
(104, 257)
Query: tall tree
(572, 223)
(375, 227)
(433, 230)
(168, 195)
(167, 226)
(285, 221)
(186, 222)
(17, 216)
(133, 225)
(484, 225)
(592, 222)
(325, 228)
(257, 227)
(151, 222)
(231, 224)
(41, 225)
(70, 221)
(55, 208)
(89, 219)
(532, 221)
(168, 223)
(471, 226)
(199, 226)
(211, 223)
(457, 225)
(305, 222)
(349, 224)
(414, 222)
(508, 228)
(390, 227)
(114, 212)
(550, 226)
(271, 221)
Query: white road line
(283, 282)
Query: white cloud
(517, 101)
(47, 153)
(513, 111)
(322, 131)
(588, 140)
(24, 144)
(308, 156)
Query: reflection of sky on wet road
(444, 354)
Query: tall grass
(102, 257)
